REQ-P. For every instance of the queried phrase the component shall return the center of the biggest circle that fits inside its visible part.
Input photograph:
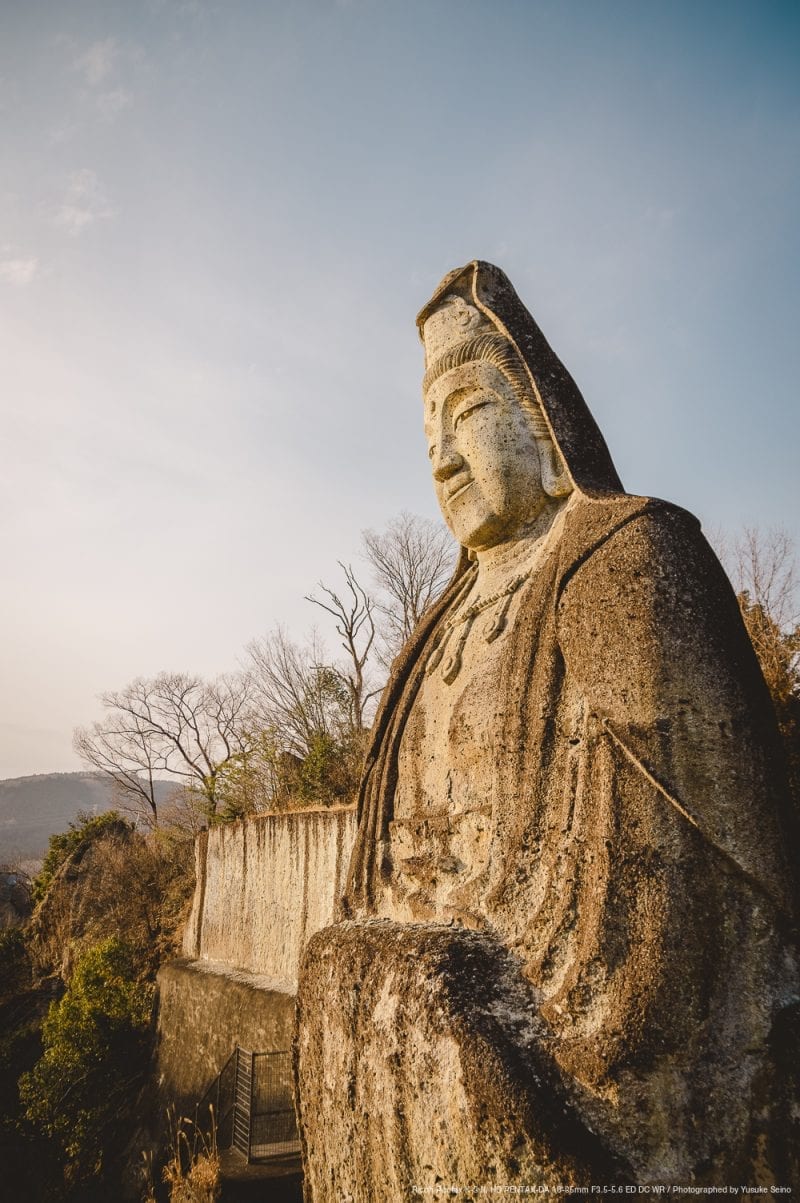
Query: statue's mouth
(459, 488)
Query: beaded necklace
(502, 598)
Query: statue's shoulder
(627, 523)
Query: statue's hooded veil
(573, 429)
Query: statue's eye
(469, 410)
(431, 451)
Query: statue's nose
(446, 462)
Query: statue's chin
(473, 526)
(481, 532)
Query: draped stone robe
(635, 862)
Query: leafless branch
(175, 725)
(356, 627)
(412, 560)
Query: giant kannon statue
(566, 954)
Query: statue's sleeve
(650, 629)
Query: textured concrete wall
(203, 1015)
(264, 886)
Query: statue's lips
(459, 488)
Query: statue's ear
(556, 480)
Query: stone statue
(567, 952)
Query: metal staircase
(252, 1099)
(243, 1102)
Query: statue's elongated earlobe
(556, 480)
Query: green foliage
(271, 778)
(12, 946)
(103, 927)
(119, 882)
(330, 771)
(15, 969)
(94, 1039)
(312, 757)
(315, 771)
(84, 830)
(238, 788)
(255, 781)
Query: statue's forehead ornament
(454, 322)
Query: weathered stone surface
(264, 885)
(423, 1041)
(203, 1012)
(577, 757)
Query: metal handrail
(215, 1085)
(242, 1110)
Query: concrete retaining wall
(264, 886)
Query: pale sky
(217, 222)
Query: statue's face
(487, 464)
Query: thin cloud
(110, 104)
(189, 11)
(97, 63)
(85, 202)
(18, 271)
(101, 66)
(64, 132)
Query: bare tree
(765, 577)
(763, 568)
(355, 625)
(303, 744)
(174, 724)
(412, 561)
(127, 754)
(293, 692)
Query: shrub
(116, 881)
(14, 963)
(95, 1040)
(82, 831)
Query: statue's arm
(650, 629)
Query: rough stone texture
(264, 885)
(430, 1033)
(575, 756)
(72, 914)
(203, 1012)
(202, 1015)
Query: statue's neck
(498, 564)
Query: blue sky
(217, 222)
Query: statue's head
(496, 468)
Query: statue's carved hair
(496, 350)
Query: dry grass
(192, 1170)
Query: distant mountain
(34, 808)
